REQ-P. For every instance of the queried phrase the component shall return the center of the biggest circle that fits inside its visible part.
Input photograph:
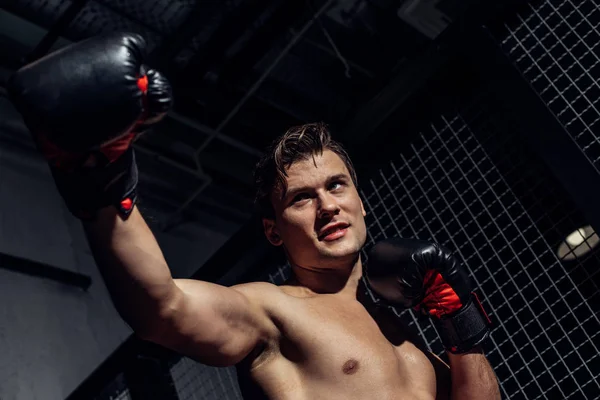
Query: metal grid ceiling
(555, 46)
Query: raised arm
(213, 324)
(85, 105)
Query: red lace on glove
(440, 299)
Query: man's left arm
(469, 377)
(472, 376)
(425, 276)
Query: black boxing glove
(427, 277)
(84, 105)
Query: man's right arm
(213, 324)
(85, 105)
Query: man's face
(320, 219)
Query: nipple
(350, 367)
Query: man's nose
(328, 205)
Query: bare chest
(329, 337)
(338, 346)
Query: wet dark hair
(298, 143)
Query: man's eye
(299, 197)
(335, 185)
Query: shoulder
(277, 302)
(266, 290)
(253, 288)
(258, 292)
(273, 301)
(264, 294)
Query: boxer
(316, 336)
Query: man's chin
(341, 253)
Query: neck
(344, 279)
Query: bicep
(213, 324)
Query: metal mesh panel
(116, 390)
(555, 45)
(279, 275)
(506, 220)
(195, 381)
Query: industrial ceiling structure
(243, 72)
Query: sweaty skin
(330, 346)
(327, 340)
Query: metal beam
(220, 166)
(206, 130)
(328, 50)
(288, 101)
(166, 160)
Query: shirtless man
(312, 338)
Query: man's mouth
(334, 232)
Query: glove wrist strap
(87, 190)
(464, 330)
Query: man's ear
(271, 232)
(362, 207)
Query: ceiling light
(578, 243)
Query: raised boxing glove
(84, 105)
(427, 277)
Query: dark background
(471, 124)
